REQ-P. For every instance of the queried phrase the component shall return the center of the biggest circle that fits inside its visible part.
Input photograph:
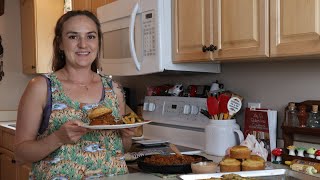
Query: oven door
(122, 37)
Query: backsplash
(8, 115)
(273, 83)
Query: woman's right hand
(71, 132)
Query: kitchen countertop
(6, 125)
(135, 173)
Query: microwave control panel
(149, 33)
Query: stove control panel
(182, 111)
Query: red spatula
(213, 106)
(223, 102)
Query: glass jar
(291, 118)
(314, 117)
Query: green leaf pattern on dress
(99, 153)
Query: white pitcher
(220, 135)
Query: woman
(62, 149)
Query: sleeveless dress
(99, 153)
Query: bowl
(204, 167)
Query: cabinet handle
(210, 48)
(13, 161)
(33, 67)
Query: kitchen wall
(14, 81)
(272, 83)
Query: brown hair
(59, 61)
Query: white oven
(137, 39)
(176, 119)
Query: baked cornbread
(240, 152)
(257, 158)
(230, 165)
(252, 164)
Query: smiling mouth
(83, 53)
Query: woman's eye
(91, 37)
(72, 37)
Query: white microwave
(137, 39)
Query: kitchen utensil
(220, 135)
(167, 169)
(206, 113)
(213, 106)
(234, 105)
(175, 149)
(223, 105)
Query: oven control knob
(194, 110)
(186, 109)
(152, 107)
(145, 106)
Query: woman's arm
(32, 103)
(126, 134)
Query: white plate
(117, 126)
(151, 142)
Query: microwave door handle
(131, 37)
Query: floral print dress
(98, 153)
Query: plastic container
(204, 167)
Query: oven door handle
(131, 36)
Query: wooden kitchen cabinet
(239, 29)
(90, 5)
(9, 169)
(294, 27)
(191, 27)
(38, 19)
(7, 162)
(22, 171)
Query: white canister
(220, 135)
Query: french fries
(131, 118)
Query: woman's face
(80, 41)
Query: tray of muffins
(241, 164)
(241, 159)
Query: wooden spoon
(175, 149)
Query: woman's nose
(82, 42)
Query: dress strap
(47, 109)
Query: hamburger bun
(101, 116)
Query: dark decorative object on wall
(1, 60)
(1, 7)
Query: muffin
(240, 152)
(230, 165)
(255, 162)
(257, 158)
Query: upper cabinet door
(241, 29)
(295, 27)
(38, 20)
(97, 3)
(191, 30)
(81, 5)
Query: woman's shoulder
(38, 81)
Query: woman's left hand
(127, 132)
